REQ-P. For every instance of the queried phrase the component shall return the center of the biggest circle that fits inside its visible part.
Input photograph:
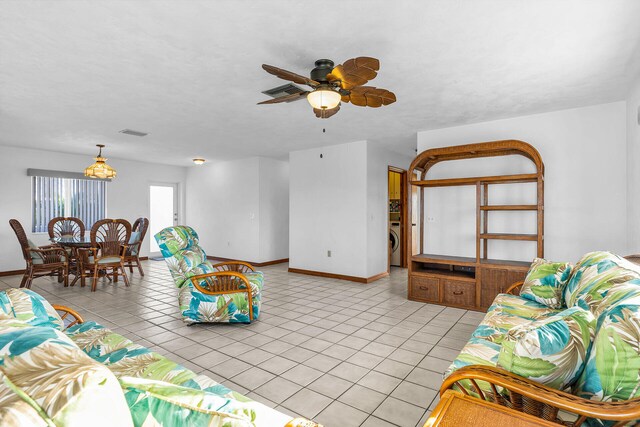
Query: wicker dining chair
(132, 256)
(61, 226)
(109, 239)
(41, 260)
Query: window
(53, 196)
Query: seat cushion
(551, 351)
(129, 361)
(592, 278)
(53, 373)
(545, 282)
(105, 260)
(30, 307)
(36, 257)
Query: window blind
(81, 198)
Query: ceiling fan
(332, 85)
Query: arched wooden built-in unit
(472, 282)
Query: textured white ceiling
(72, 73)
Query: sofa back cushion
(43, 368)
(28, 306)
(552, 350)
(545, 282)
(592, 278)
(612, 371)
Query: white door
(163, 211)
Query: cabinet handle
(458, 292)
(424, 288)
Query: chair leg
(27, 273)
(60, 275)
(139, 266)
(130, 265)
(250, 301)
(65, 272)
(95, 279)
(115, 274)
(124, 275)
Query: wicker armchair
(132, 254)
(109, 238)
(41, 260)
(65, 227)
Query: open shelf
(509, 208)
(444, 259)
(498, 179)
(509, 236)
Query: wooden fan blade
(369, 96)
(325, 114)
(355, 72)
(287, 98)
(288, 75)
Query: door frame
(403, 216)
(176, 205)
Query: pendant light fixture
(100, 169)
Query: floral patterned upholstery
(185, 258)
(47, 379)
(28, 306)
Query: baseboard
(256, 264)
(11, 272)
(339, 276)
(144, 258)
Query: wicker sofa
(56, 369)
(599, 384)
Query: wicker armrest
(225, 282)
(513, 288)
(50, 254)
(533, 398)
(240, 266)
(66, 312)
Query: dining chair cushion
(105, 260)
(28, 306)
(42, 366)
(36, 258)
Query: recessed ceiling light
(199, 161)
(133, 132)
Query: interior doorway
(397, 215)
(163, 211)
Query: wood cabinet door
(459, 292)
(494, 281)
(425, 288)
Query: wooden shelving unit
(473, 282)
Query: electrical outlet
(329, 254)
(431, 219)
(228, 243)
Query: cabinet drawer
(425, 288)
(459, 293)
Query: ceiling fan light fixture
(324, 98)
(100, 169)
(199, 161)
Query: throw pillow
(28, 306)
(35, 256)
(551, 351)
(545, 282)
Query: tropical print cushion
(45, 369)
(545, 282)
(185, 258)
(592, 278)
(24, 304)
(156, 403)
(552, 350)
(128, 360)
(612, 372)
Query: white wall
(584, 151)
(633, 147)
(328, 209)
(127, 194)
(240, 208)
(340, 203)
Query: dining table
(73, 243)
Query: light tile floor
(342, 353)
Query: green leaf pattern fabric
(24, 304)
(545, 282)
(46, 374)
(185, 258)
(552, 350)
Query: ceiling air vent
(133, 132)
(288, 89)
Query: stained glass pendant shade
(100, 169)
